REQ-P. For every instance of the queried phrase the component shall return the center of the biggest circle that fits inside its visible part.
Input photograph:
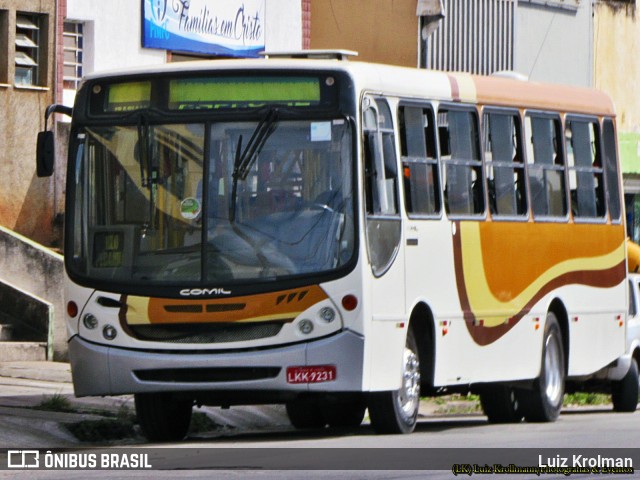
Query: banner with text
(216, 27)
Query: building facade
(26, 89)
(585, 43)
(617, 48)
(94, 36)
(46, 46)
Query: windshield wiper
(245, 160)
(241, 166)
(145, 157)
(263, 131)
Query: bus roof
(413, 83)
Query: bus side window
(419, 161)
(505, 170)
(611, 168)
(464, 194)
(586, 181)
(546, 166)
(380, 159)
(381, 185)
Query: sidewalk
(24, 385)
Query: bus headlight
(90, 321)
(109, 332)
(305, 326)
(327, 314)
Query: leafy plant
(55, 403)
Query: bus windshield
(212, 202)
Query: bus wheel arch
(422, 324)
(625, 392)
(560, 312)
(396, 411)
(543, 402)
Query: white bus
(336, 236)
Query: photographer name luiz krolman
(563, 465)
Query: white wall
(283, 25)
(113, 37)
(113, 31)
(112, 34)
(555, 44)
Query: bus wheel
(397, 411)
(500, 404)
(305, 413)
(344, 414)
(544, 402)
(624, 393)
(163, 418)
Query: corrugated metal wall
(475, 36)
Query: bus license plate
(314, 374)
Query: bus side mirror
(45, 154)
(46, 148)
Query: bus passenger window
(419, 160)
(505, 169)
(546, 166)
(464, 194)
(380, 159)
(383, 222)
(611, 168)
(586, 182)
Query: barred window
(73, 53)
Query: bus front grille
(207, 375)
(209, 333)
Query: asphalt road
(258, 442)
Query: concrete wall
(25, 200)
(555, 44)
(379, 30)
(32, 268)
(30, 317)
(617, 50)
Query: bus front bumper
(99, 370)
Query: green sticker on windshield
(190, 208)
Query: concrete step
(23, 351)
(6, 332)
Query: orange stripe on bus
(281, 306)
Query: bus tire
(344, 414)
(544, 402)
(305, 413)
(500, 404)
(397, 411)
(624, 393)
(162, 417)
